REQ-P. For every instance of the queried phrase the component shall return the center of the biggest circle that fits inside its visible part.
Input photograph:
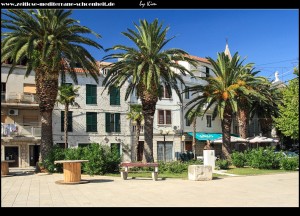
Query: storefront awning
(206, 136)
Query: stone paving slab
(35, 190)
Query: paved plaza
(40, 190)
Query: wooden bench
(124, 173)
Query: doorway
(12, 153)
(34, 153)
(140, 151)
(164, 151)
(188, 146)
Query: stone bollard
(200, 172)
(154, 176)
(124, 175)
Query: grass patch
(252, 171)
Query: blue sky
(268, 38)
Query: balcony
(19, 98)
(19, 130)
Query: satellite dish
(175, 127)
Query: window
(29, 88)
(208, 121)
(206, 71)
(91, 94)
(164, 151)
(3, 91)
(82, 145)
(187, 121)
(187, 93)
(91, 122)
(164, 117)
(134, 127)
(70, 121)
(165, 92)
(105, 71)
(60, 145)
(112, 122)
(30, 121)
(114, 96)
(3, 87)
(116, 148)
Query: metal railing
(15, 97)
(28, 130)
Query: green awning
(206, 136)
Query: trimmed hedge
(101, 159)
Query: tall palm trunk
(243, 120)
(66, 124)
(226, 129)
(47, 87)
(137, 138)
(194, 139)
(148, 134)
(149, 101)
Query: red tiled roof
(99, 64)
(200, 59)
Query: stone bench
(124, 174)
(200, 172)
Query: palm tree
(51, 42)
(220, 93)
(192, 116)
(136, 115)
(249, 92)
(146, 66)
(66, 97)
(266, 110)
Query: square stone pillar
(200, 172)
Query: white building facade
(100, 118)
(170, 123)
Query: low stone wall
(200, 172)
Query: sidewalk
(40, 190)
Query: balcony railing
(28, 130)
(15, 97)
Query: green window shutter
(94, 94)
(88, 94)
(62, 114)
(114, 96)
(207, 71)
(107, 122)
(117, 99)
(88, 122)
(117, 122)
(70, 121)
(91, 122)
(91, 94)
(94, 122)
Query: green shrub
(289, 163)
(238, 159)
(263, 158)
(57, 153)
(101, 159)
(222, 164)
(176, 166)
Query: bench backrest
(139, 164)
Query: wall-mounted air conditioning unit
(13, 112)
